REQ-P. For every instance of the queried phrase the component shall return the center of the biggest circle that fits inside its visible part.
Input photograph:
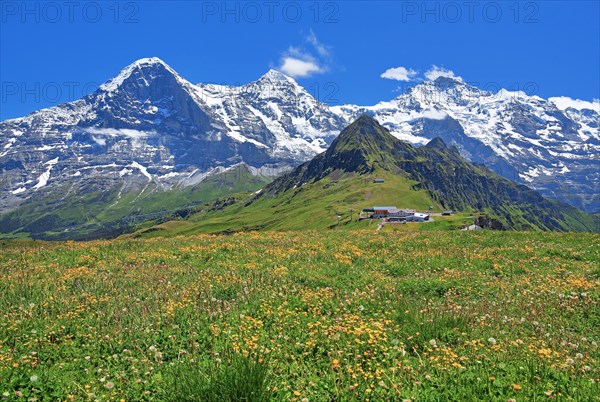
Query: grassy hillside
(311, 206)
(79, 214)
(321, 315)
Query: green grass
(310, 206)
(232, 378)
(322, 315)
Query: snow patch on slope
(44, 177)
(564, 102)
(142, 169)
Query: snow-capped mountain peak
(276, 76)
(442, 91)
(275, 84)
(141, 72)
(274, 112)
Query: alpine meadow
(336, 315)
(325, 201)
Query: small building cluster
(393, 214)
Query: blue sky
(52, 52)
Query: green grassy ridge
(365, 146)
(83, 215)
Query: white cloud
(119, 132)
(399, 74)
(295, 67)
(434, 114)
(322, 49)
(302, 61)
(135, 136)
(435, 72)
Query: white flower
(34, 378)
(152, 348)
(579, 356)
(110, 385)
(433, 343)
(492, 341)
